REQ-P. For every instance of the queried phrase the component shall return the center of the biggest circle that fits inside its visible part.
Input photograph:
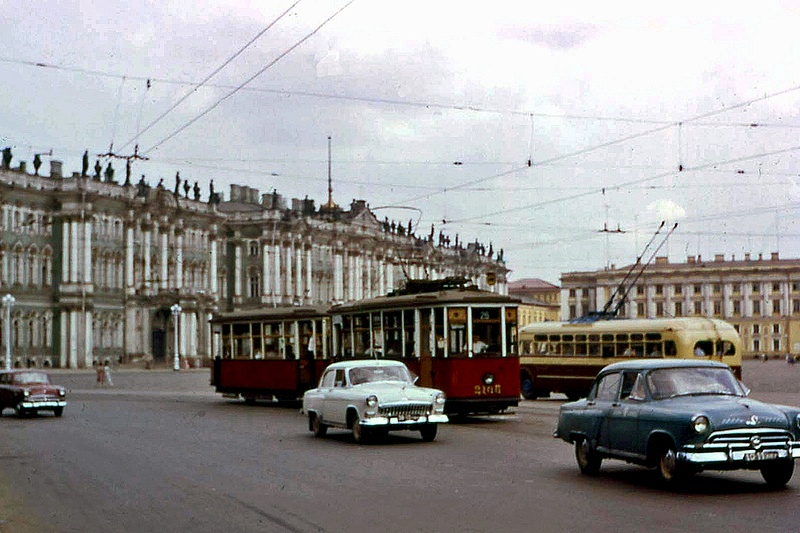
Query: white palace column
(299, 278)
(389, 276)
(367, 276)
(237, 272)
(351, 276)
(212, 271)
(179, 259)
(73, 252)
(164, 255)
(129, 251)
(147, 273)
(310, 291)
(266, 286)
(88, 324)
(288, 266)
(381, 276)
(276, 274)
(338, 275)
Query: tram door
(425, 355)
(306, 350)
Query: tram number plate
(760, 456)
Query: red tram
(455, 337)
(271, 353)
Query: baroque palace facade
(759, 296)
(95, 266)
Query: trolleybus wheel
(526, 387)
(317, 427)
(588, 459)
(428, 432)
(778, 473)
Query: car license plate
(760, 456)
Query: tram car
(453, 336)
(273, 354)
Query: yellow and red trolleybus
(566, 356)
(455, 337)
(270, 353)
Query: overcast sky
(629, 115)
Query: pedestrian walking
(100, 373)
(107, 375)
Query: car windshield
(24, 378)
(690, 381)
(371, 374)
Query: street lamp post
(176, 315)
(8, 303)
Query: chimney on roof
(662, 260)
(55, 168)
(719, 257)
(774, 256)
(690, 260)
(747, 256)
(760, 257)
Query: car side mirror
(414, 378)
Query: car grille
(766, 437)
(405, 409)
(41, 397)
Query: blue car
(680, 417)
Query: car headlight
(488, 378)
(797, 421)
(26, 393)
(700, 424)
(62, 392)
(440, 399)
(372, 401)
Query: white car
(370, 398)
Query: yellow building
(759, 296)
(541, 301)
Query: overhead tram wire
(257, 74)
(389, 101)
(633, 136)
(207, 78)
(623, 185)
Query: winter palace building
(91, 268)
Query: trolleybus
(271, 353)
(453, 336)
(566, 356)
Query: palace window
(255, 286)
(698, 289)
(698, 308)
(678, 289)
(776, 307)
(756, 307)
(737, 307)
(678, 308)
(253, 248)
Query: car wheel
(20, 411)
(670, 470)
(428, 432)
(317, 427)
(778, 473)
(526, 387)
(360, 433)
(587, 458)
(58, 411)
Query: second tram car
(270, 354)
(455, 337)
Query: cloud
(666, 210)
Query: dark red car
(30, 391)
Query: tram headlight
(797, 421)
(488, 378)
(700, 424)
(372, 401)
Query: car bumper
(395, 421)
(42, 404)
(711, 454)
